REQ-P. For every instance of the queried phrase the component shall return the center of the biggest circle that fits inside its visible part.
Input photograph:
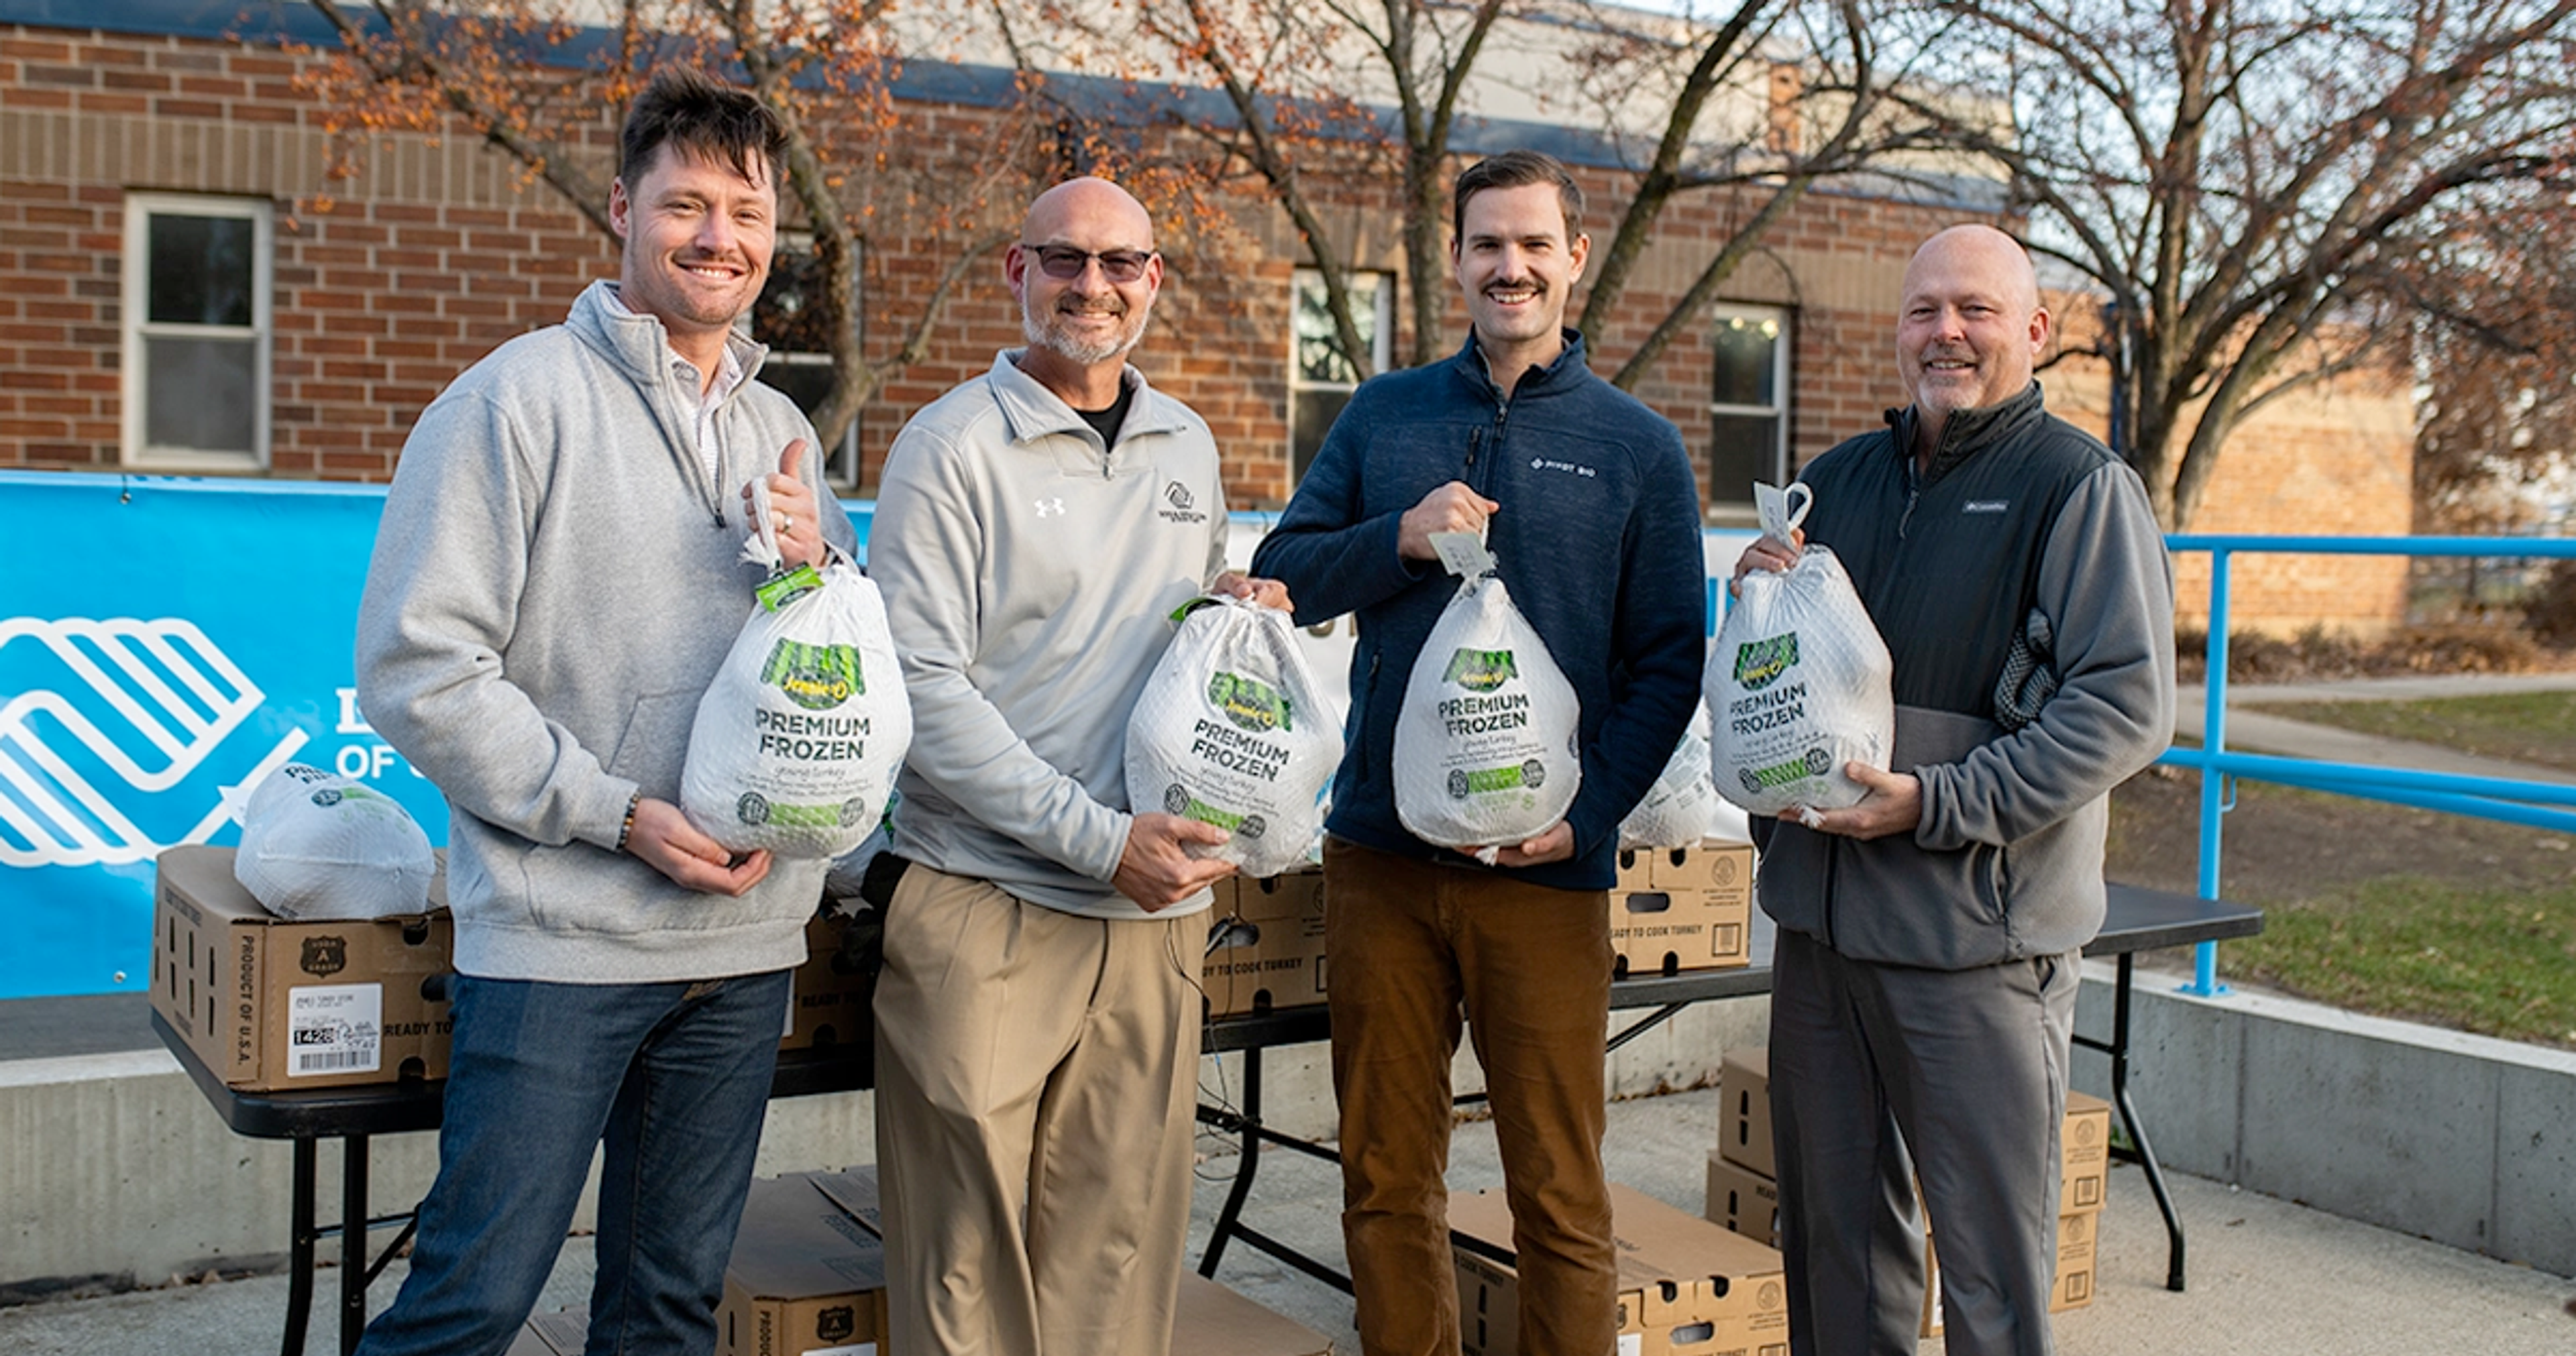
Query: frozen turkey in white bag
(1487, 742)
(1682, 808)
(1232, 730)
(1797, 686)
(796, 741)
(315, 845)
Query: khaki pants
(1036, 1089)
(1408, 943)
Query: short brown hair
(685, 107)
(1515, 169)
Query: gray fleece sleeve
(441, 603)
(927, 550)
(2106, 586)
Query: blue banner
(164, 643)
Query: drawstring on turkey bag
(797, 739)
(1798, 681)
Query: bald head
(1970, 327)
(1088, 204)
(1981, 250)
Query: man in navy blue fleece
(1591, 509)
(1923, 993)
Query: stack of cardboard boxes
(808, 1279)
(1672, 910)
(1677, 909)
(1744, 1196)
(1686, 1287)
(1267, 943)
(272, 1004)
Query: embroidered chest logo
(1563, 467)
(1049, 508)
(1179, 506)
(1986, 506)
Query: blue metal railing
(2516, 802)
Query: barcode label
(334, 1028)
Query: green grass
(2500, 962)
(2527, 727)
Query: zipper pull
(1475, 439)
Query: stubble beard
(1041, 332)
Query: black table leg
(353, 1242)
(2146, 1153)
(300, 1238)
(1229, 1220)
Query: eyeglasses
(1067, 263)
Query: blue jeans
(675, 1077)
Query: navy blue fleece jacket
(1597, 538)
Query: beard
(1050, 333)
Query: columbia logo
(1985, 506)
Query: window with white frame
(1321, 376)
(196, 332)
(789, 319)
(1748, 410)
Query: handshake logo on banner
(119, 737)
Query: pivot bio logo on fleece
(121, 736)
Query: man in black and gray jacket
(1929, 935)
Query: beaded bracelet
(627, 828)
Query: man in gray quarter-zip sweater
(1038, 1014)
(1924, 990)
(555, 582)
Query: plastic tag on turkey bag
(1797, 685)
(797, 739)
(1231, 729)
(319, 846)
(1487, 742)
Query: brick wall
(390, 283)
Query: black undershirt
(1107, 422)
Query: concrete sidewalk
(2252, 730)
(2268, 1278)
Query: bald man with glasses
(1038, 1014)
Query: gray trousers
(1967, 1070)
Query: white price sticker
(1463, 553)
(1632, 1344)
(335, 1029)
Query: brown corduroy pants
(1412, 948)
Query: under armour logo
(1048, 508)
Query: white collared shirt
(708, 399)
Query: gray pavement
(2252, 730)
(2268, 1277)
